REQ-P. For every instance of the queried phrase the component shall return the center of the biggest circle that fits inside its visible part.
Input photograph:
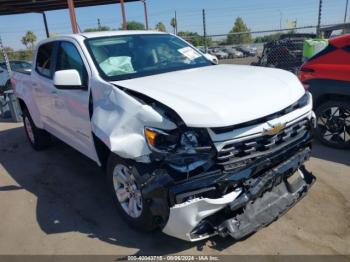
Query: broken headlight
(175, 140)
(183, 150)
(160, 140)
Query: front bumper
(258, 202)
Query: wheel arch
(324, 90)
(102, 150)
(22, 104)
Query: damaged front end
(200, 182)
(195, 192)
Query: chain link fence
(280, 48)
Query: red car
(327, 77)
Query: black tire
(38, 138)
(333, 124)
(145, 221)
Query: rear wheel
(333, 124)
(123, 181)
(38, 138)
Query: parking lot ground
(55, 202)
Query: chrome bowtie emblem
(274, 129)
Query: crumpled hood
(222, 95)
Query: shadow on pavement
(72, 197)
(340, 156)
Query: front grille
(243, 151)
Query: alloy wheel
(29, 130)
(334, 125)
(127, 191)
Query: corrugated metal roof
(8, 7)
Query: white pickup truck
(194, 148)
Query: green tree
(133, 25)
(160, 27)
(194, 38)
(29, 40)
(239, 27)
(173, 24)
(101, 28)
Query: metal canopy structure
(10, 7)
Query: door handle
(54, 92)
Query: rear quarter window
(44, 60)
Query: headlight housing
(186, 141)
(160, 140)
(304, 100)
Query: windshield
(131, 56)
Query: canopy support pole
(122, 4)
(73, 18)
(46, 26)
(146, 13)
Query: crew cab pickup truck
(191, 147)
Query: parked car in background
(247, 51)
(220, 54)
(327, 76)
(233, 53)
(285, 53)
(19, 66)
(193, 148)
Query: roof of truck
(82, 36)
(117, 33)
(108, 33)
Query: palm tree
(173, 23)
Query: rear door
(42, 83)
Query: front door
(71, 105)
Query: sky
(220, 16)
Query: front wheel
(333, 124)
(122, 178)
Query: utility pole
(175, 23)
(281, 18)
(99, 24)
(319, 19)
(346, 11)
(205, 32)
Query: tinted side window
(69, 58)
(44, 60)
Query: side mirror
(67, 79)
(212, 58)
